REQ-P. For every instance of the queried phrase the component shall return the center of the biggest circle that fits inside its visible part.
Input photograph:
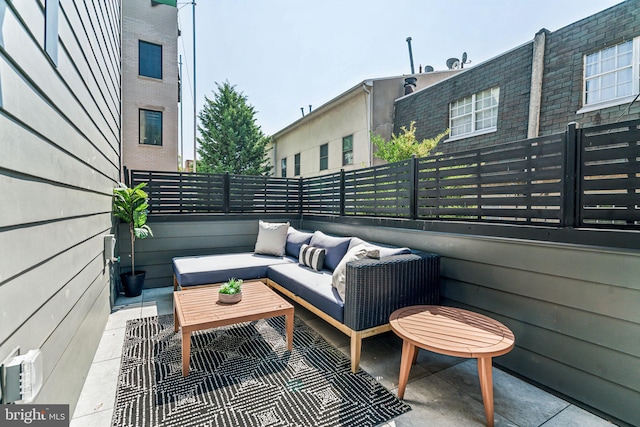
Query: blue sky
(287, 54)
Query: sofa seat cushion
(201, 270)
(310, 285)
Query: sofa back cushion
(336, 248)
(295, 240)
(272, 237)
(385, 251)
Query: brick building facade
(543, 85)
(150, 85)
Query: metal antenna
(410, 55)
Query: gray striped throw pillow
(312, 257)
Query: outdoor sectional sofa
(373, 288)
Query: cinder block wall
(429, 108)
(562, 84)
(563, 66)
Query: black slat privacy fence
(579, 178)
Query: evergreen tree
(230, 140)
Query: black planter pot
(133, 283)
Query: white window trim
(473, 119)
(607, 104)
(635, 70)
(474, 133)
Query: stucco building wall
(365, 108)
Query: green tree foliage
(132, 206)
(230, 140)
(405, 145)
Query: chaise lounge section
(372, 287)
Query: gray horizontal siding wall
(59, 160)
(573, 308)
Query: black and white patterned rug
(243, 375)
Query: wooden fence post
(569, 196)
(300, 199)
(413, 188)
(226, 196)
(342, 192)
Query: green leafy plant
(404, 146)
(233, 286)
(132, 206)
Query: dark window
(347, 150)
(51, 29)
(283, 168)
(296, 165)
(150, 127)
(324, 157)
(149, 60)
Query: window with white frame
(474, 114)
(609, 74)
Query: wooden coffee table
(454, 332)
(198, 309)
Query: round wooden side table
(453, 332)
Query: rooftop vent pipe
(409, 85)
(410, 55)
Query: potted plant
(131, 205)
(231, 291)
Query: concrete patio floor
(442, 390)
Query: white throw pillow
(272, 238)
(340, 273)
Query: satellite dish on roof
(453, 63)
(428, 68)
(464, 60)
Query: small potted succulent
(231, 291)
